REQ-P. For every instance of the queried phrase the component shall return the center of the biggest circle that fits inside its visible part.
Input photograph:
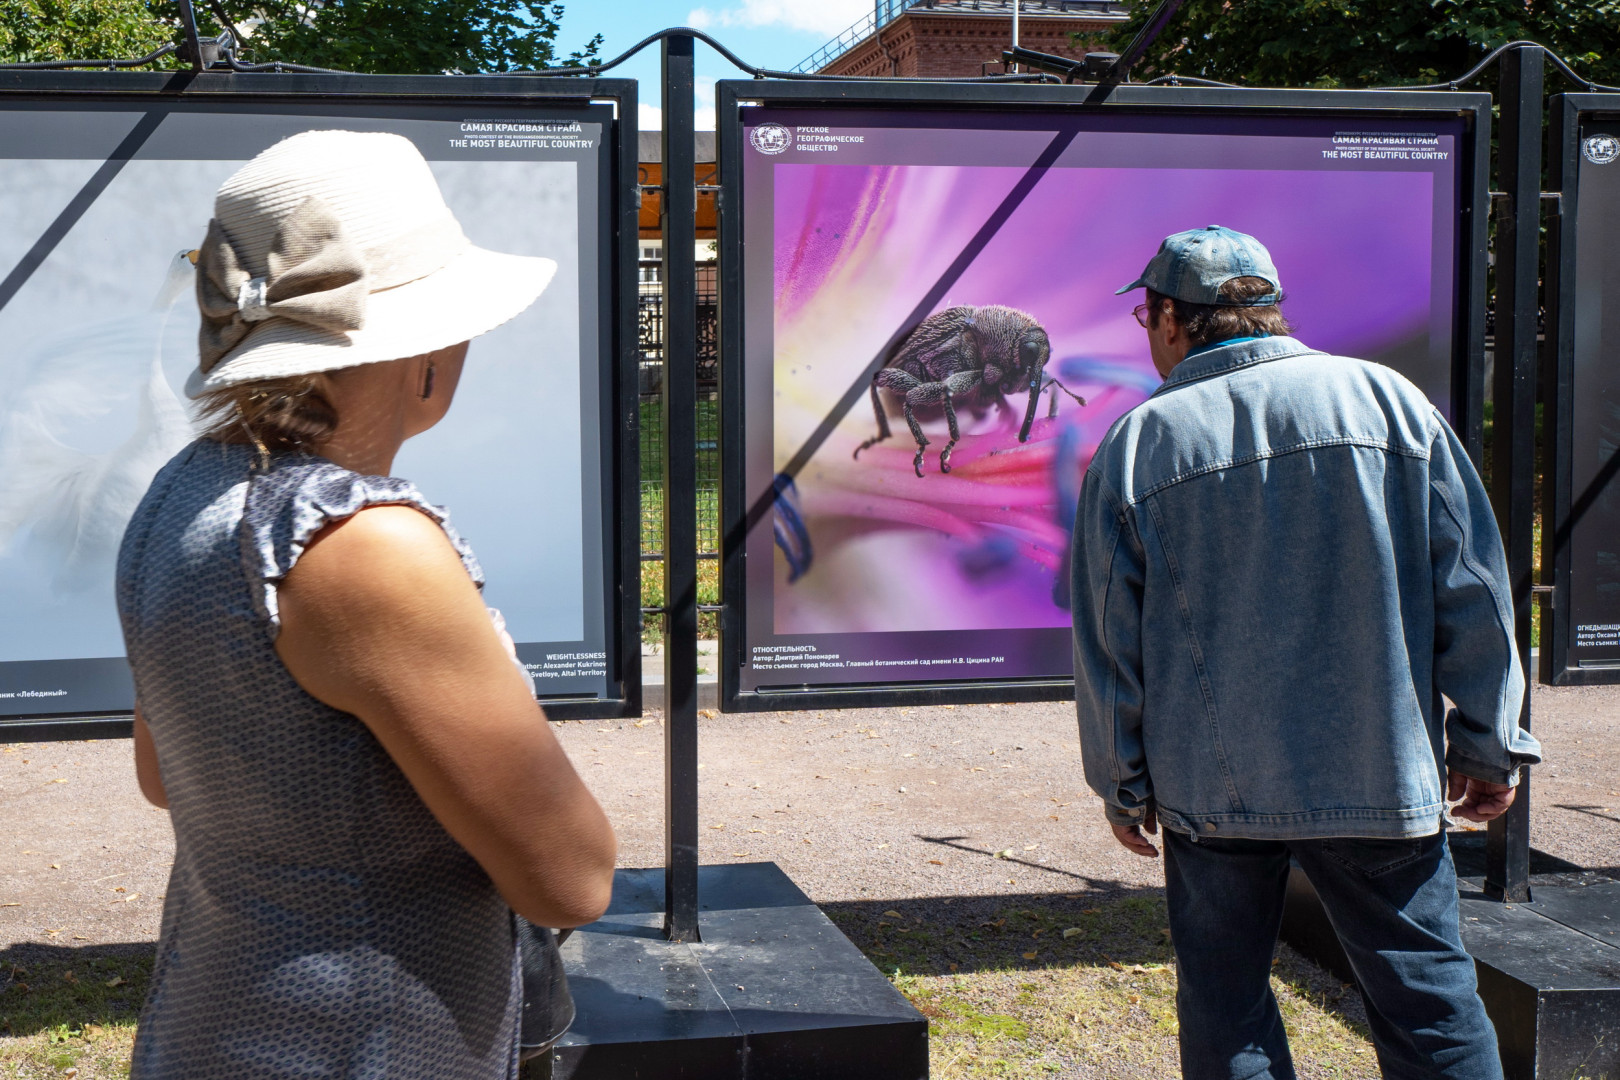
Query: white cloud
(825, 17)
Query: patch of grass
(652, 595)
(1007, 994)
(71, 1012)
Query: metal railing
(650, 334)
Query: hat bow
(315, 276)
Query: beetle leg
(961, 383)
(950, 418)
(877, 411)
(916, 433)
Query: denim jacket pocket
(1375, 857)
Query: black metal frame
(617, 287)
(1468, 366)
(1567, 113)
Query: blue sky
(770, 33)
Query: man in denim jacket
(1283, 560)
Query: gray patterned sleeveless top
(319, 922)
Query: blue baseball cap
(1193, 265)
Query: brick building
(960, 38)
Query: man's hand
(1133, 840)
(1481, 799)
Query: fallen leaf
(892, 915)
(756, 830)
(1116, 965)
(1029, 956)
(882, 846)
(1072, 932)
(115, 981)
(68, 976)
(120, 888)
(710, 714)
(60, 780)
(935, 862)
(1133, 999)
(738, 854)
(56, 866)
(953, 967)
(1031, 847)
(716, 826)
(13, 903)
(93, 1029)
(1091, 911)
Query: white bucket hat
(333, 249)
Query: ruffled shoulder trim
(296, 498)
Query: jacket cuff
(1125, 816)
(1457, 761)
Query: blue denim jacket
(1282, 561)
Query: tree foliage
(1364, 43)
(33, 30)
(393, 36)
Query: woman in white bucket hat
(362, 787)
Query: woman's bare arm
(146, 763)
(379, 619)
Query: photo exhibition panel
(104, 201)
(873, 236)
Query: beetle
(964, 355)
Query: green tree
(33, 30)
(1363, 43)
(399, 36)
(392, 36)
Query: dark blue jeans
(1393, 904)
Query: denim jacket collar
(1224, 358)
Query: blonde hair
(289, 413)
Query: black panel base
(1549, 970)
(773, 991)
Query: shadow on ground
(47, 987)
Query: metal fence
(650, 324)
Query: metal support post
(1518, 249)
(680, 500)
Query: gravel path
(855, 805)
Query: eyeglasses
(1141, 313)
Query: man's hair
(1206, 323)
(290, 413)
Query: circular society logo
(774, 138)
(1601, 149)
